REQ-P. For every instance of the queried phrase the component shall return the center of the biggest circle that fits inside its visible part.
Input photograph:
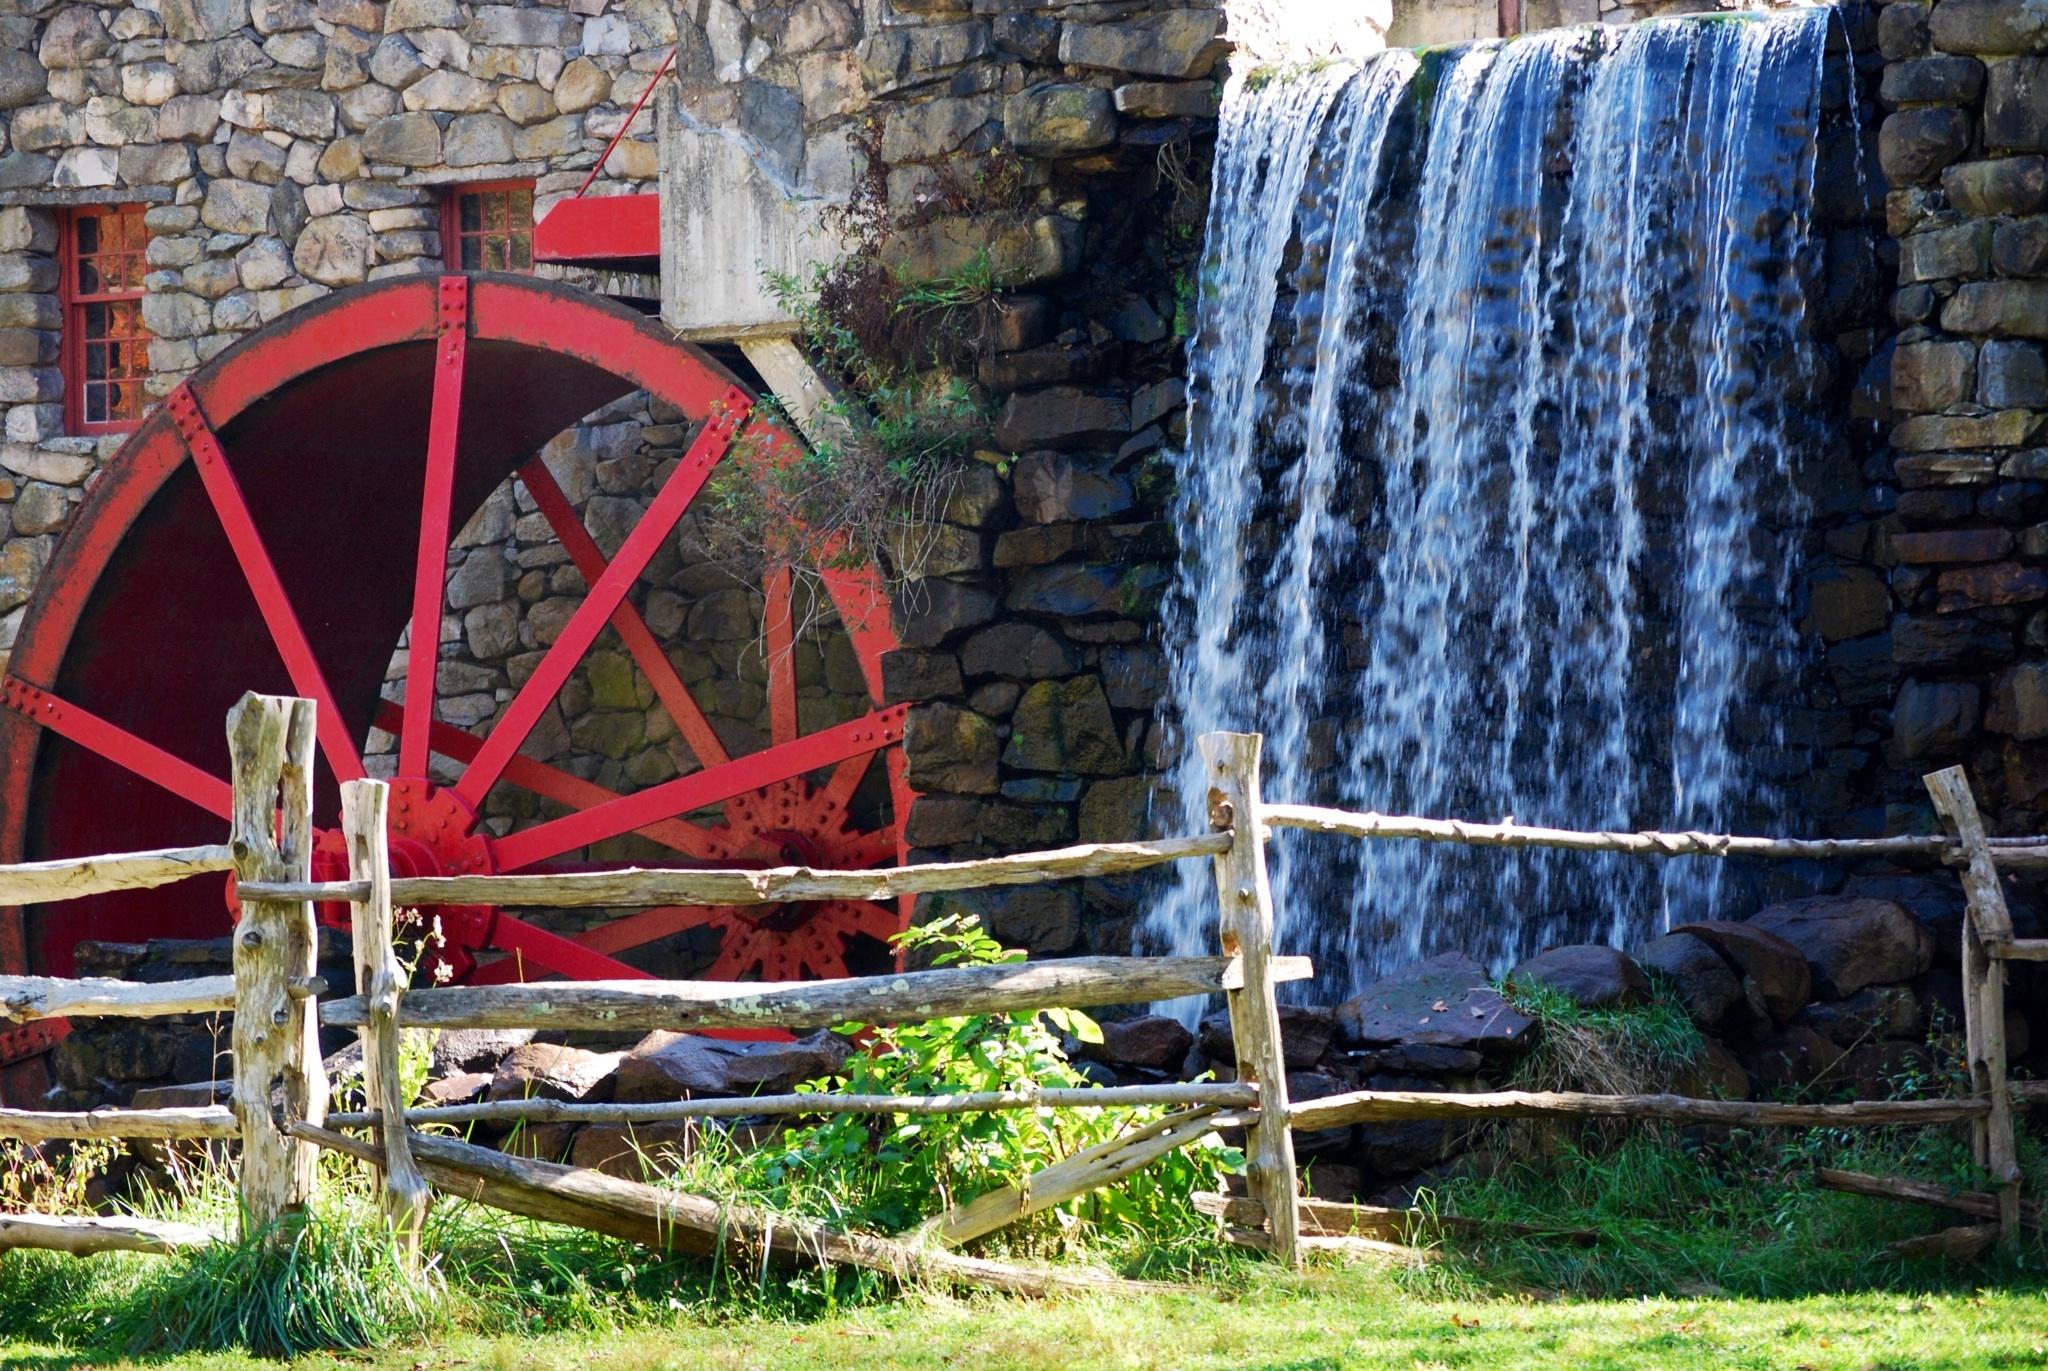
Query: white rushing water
(1488, 502)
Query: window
(489, 227)
(105, 354)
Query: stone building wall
(1955, 606)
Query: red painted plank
(430, 564)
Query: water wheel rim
(498, 316)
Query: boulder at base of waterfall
(1443, 1002)
(1151, 1043)
(546, 1071)
(1589, 974)
(673, 1066)
(1707, 985)
(1774, 969)
(1305, 1034)
(1850, 941)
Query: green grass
(1327, 1320)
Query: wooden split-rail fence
(280, 1116)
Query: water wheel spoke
(626, 621)
(869, 850)
(564, 788)
(867, 734)
(838, 790)
(863, 606)
(532, 948)
(739, 953)
(430, 565)
(117, 745)
(778, 627)
(602, 601)
(279, 617)
(651, 925)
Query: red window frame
(120, 355)
(499, 203)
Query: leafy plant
(893, 1173)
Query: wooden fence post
(1986, 921)
(380, 980)
(1246, 897)
(276, 1033)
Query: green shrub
(893, 1173)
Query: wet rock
(1717, 1075)
(2016, 105)
(1796, 1059)
(1931, 80)
(1931, 376)
(1176, 45)
(1850, 942)
(1061, 415)
(1045, 920)
(1065, 726)
(1053, 488)
(1902, 31)
(1878, 1011)
(1776, 969)
(929, 612)
(1589, 974)
(2002, 185)
(674, 1066)
(1073, 590)
(1419, 1059)
(1706, 985)
(1934, 718)
(1915, 144)
(1442, 1002)
(1054, 119)
(951, 749)
(1988, 26)
(1020, 652)
(2019, 702)
(1936, 901)
(1306, 1032)
(1316, 1085)
(1151, 1043)
(912, 676)
(2002, 583)
(547, 1071)
(1846, 602)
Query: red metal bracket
(32, 1039)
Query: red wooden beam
(632, 629)
(261, 573)
(617, 231)
(118, 746)
(602, 600)
(430, 565)
(868, 734)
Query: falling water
(1501, 380)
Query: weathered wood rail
(277, 1004)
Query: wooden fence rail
(275, 997)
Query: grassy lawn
(1331, 1318)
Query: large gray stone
(2012, 375)
(1065, 726)
(2019, 702)
(1915, 144)
(1177, 44)
(1053, 488)
(1934, 718)
(2015, 106)
(233, 206)
(1151, 1043)
(406, 140)
(337, 250)
(1850, 942)
(22, 79)
(1989, 26)
(546, 1071)
(1705, 983)
(1954, 80)
(1018, 651)
(1053, 119)
(673, 1066)
(1772, 968)
(951, 749)
(1442, 1002)
(1591, 975)
(77, 37)
(2003, 185)
(1931, 376)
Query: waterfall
(1500, 385)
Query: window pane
(88, 277)
(522, 253)
(522, 207)
(472, 254)
(470, 214)
(98, 320)
(95, 405)
(88, 238)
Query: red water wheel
(287, 514)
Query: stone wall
(1422, 23)
(1956, 602)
